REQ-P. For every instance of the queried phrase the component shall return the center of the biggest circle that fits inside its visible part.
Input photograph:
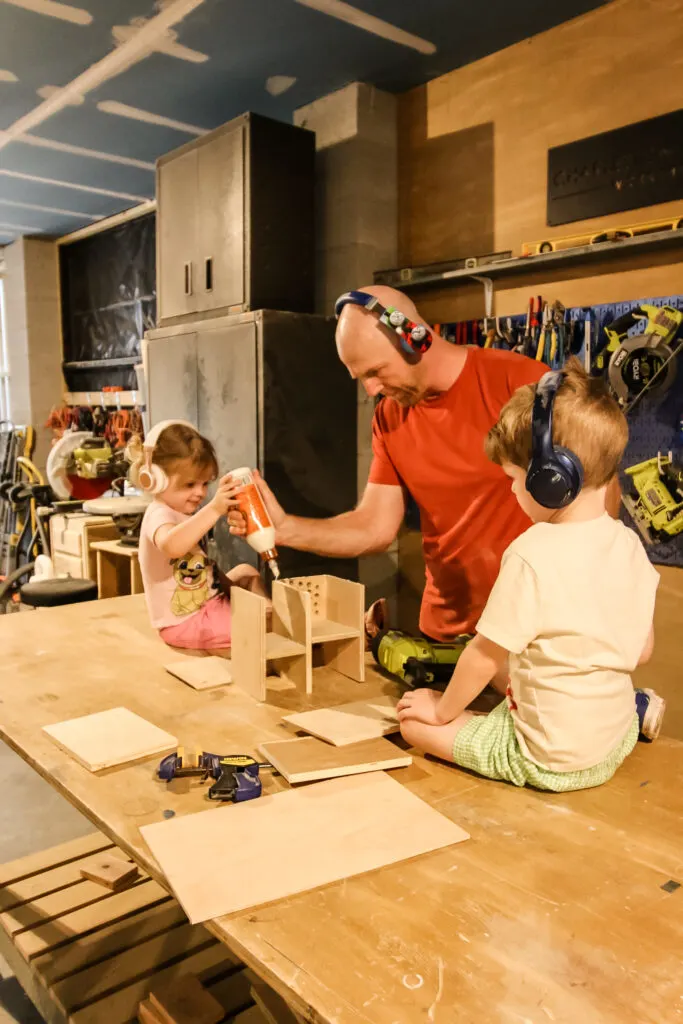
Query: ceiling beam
(115, 62)
(369, 23)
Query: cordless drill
(415, 661)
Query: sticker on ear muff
(414, 338)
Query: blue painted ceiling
(214, 65)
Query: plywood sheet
(201, 673)
(332, 830)
(309, 759)
(349, 723)
(110, 738)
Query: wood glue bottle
(260, 529)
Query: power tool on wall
(415, 661)
(641, 362)
(657, 509)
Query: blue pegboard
(654, 421)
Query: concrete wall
(357, 218)
(33, 335)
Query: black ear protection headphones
(414, 338)
(555, 474)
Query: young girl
(571, 610)
(186, 594)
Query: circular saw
(641, 362)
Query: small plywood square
(201, 673)
(111, 872)
(349, 723)
(110, 738)
(309, 759)
(184, 1000)
(333, 830)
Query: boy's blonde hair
(586, 419)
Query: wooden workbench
(553, 911)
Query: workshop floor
(33, 817)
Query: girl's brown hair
(586, 419)
(179, 444)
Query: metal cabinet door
(177, 270)
(171, 370)
(221, 204)
(227, 384)
(226, 373)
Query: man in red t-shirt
(428, 440)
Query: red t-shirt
(468, 514)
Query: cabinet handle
(208, 273)
(188, 279)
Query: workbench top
(553, 911)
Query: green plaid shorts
(488, 745)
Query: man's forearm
(346, 536)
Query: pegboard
(654, 422)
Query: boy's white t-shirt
(573, 603)
(175, 589)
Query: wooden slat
(251, 1016)
(143, 961)
(233, 992)
(272, 1006)
(46, 860)
(54, 905)
(45, 882)
(95, 947)
(122, 1005)
(89, 918)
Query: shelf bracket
(488, 294)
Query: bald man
(428, 440)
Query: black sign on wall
(639, 165)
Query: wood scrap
(201, 673)
(110, 738)
(110, 872)
(349, 723)
(309, 759)
(333, 830)
(184, 1000)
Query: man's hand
(225, 497)
(236, 520)
(421, 705)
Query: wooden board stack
(309, 760)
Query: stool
(51, 593)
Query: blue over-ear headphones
(555, 474)
(414, 338)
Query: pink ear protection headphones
(152, 478)
(414, 338)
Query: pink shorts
(206, 630)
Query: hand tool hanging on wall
(587, 343)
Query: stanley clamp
(646, 360)
(236, 776)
